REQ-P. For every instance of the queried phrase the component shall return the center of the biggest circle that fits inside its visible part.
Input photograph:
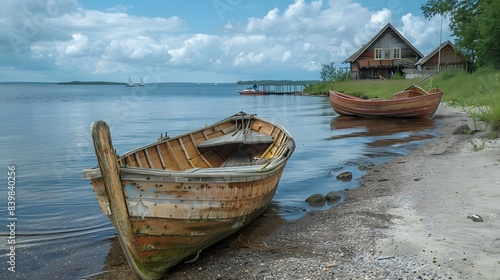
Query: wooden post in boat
(110, 173)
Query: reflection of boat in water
(378, 126)
(172, 198)
(390, 130)
(413, 102)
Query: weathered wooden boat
(413, 102)
(170, 199)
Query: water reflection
(384, 132)
(380, 126)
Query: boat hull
(251, 92)
(186, 217)
(411, 103)
(172, 209)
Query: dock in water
(280, 89)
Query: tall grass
(478, 92)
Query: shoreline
(407, 219)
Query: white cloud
(424, 34)
(286, 56)
(381, 17)
(119, 8)
(194, 50)
(78, 47)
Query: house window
(387, 53)
(378, 53)
(396, 53)
(375, 73)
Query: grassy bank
(479, 92)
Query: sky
(197, 40)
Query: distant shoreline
(91, 83)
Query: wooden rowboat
(413, 102)
(170, 199)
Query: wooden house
(383, 56)
(446, 56)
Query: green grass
(479, 92)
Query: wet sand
(407, 220)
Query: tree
(488, 43)
(329, 73)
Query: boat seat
(239, 137)
(236, 159)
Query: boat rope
(246, 130)
(429, 86)
(428, 77)
(195, 258)
(87, 277)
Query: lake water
(60, 231)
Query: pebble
(366, 266)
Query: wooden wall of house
(390, 40)
(449, 59)
(368, 54)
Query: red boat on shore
(413, 102)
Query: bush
(398, 76)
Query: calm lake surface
(60, 231)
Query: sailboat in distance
(141, 83)
(130, 82)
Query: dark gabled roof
(431, 54)
(355, 56)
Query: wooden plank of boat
(413, 102)
(181, 194)
(239, 137)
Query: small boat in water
(172, 198)
(141, 83)
(413, 102)
(130, 82)
(251, 91)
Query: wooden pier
(280, 89)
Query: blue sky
(196, 40)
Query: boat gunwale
(230, 173)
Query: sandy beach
(440, 186)
(408, 219)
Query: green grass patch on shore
(478, 92)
